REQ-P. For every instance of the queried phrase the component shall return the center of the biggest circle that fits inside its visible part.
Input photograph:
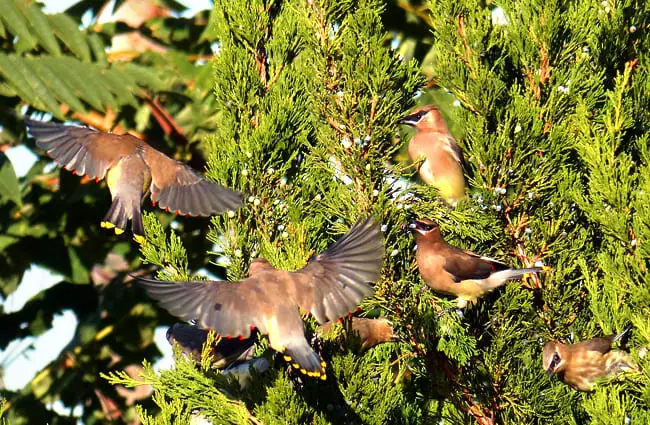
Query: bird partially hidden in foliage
(132, 169)
(191, 338)
(582, 364)
(458, 272)
(442, 165)
(329, 287)
(370, 332)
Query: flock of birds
(331, 286)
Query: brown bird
(458, 272)
(329, 287)
(370, 332)
(227, 351)
(581, 365)
(443, 158)
(132, 169)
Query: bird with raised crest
(454, 271)
(442, 165)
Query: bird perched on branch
(132, 169)
(329, 287)
(443, 159)
(580, 365)
(458, 272)
(370, 332)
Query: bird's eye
(428, 227)
(420, 114)
(555, 361)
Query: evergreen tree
(550, 103)
(553, 121)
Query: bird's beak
(413, 226)
(408, 120)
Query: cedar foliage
(553, 112)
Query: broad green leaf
(15, 21)
(120, 87)
(96, 79)
(79, 273)
(98, 48)
(60, 89)
(143, 76)
(18, 82)
(42, 93)
(7, 90)
(41, 26)
(9, 186)
(68, 31)
(5, 241)
(73, 72)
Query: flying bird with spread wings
(331, 286)
(132, 169)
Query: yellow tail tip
(139, 239)
(323, 377)
(118, 231)
(106, 225)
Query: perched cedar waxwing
(329, 287)
(458, 272)
(132, 169)
(581, 365)
(443, 158)
(371, 332)
(228, 350)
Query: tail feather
(618, 336)
(499, 278)
(118, 216)
(304, 358)
(136, 223)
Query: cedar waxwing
(454, 271)
(443, 158)
(581, 365)
(370, 332)
(329, 287)
(132, 169)
(227, 351)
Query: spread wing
(334, 282)
(465, 265)
(231, 309)
(81, 149)
(177, 187)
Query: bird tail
(621, 334)
(304, 358)
(118, 215)
(499, 278)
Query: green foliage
(297, 108)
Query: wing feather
(81, 149)
(221, 306)
(171, 181)
(334, 282)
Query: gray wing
(227, 307)
(81, 149)
(334, 282)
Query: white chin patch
(422, 232)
